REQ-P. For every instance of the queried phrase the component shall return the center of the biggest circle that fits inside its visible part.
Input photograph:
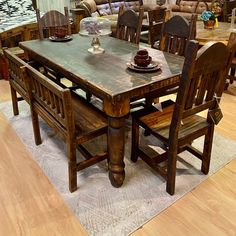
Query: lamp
(95, 27)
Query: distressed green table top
(105, 74)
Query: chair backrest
(156, 17)
(53, 21)
(129, 25)
(232, 42)
(203, 75)
(50, 101)
(176, 33)
(15, 73)
(228, 6)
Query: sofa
(110, 8)
(187, 7)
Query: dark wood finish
(77, 15)
(51, 21)
(178, 124)
(49, 24)
(129, 24)
(73, 119)
(156, 18)
(16, 79)
(228, 6)
(176, 33)
(106, 76)
(232, 40)
(10, 39)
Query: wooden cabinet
(11, 38)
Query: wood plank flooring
(29, 204)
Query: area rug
(101, 208)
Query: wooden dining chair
(50, 24)
(156, 18)
(177, 124)
(73, 119)
(176, 33)
(129, 24)
(16, 79)
(231, 77)
(52, 21)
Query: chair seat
(159, 122)
(89, 121)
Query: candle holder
(95, 27)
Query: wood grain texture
(116, 86)
(176, 126)
(209, 209)
(188, 216)
(30, 205)
(175, 34)
(129, 24)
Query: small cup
(60, 33)
(142, 52)
(142, 62)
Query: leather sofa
(111, 7)
(187, 7)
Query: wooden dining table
(107, 77)
(220, 33)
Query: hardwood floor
(31, 206)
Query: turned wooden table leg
(117, 111)
(116, 145)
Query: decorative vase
(209, 24)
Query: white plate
(56, 39)
(153, 66)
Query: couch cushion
(186, 15)
(115, 5)
(188, 6)
(202, 7)
(174, 7)
(103, 7)
(134, 5)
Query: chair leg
(232, 73)
(72, 169)
(135, 141)
(88, 96)
(36, 129)
(14, 101)
(206, 156)
(171, 171)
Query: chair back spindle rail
(16, 79)
(176, 33)
(178, 124)
(73, 119)
(129, 25)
